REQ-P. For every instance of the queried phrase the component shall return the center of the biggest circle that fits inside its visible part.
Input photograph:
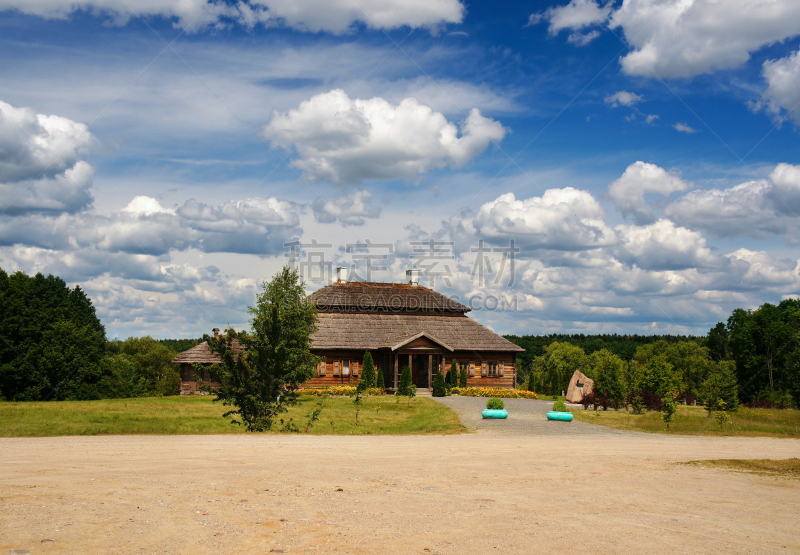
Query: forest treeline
(756, 352)
(54, 347)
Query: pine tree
(721, 385)
(452, 374)
(379, 379)
(439, 387)
(404, 387)
(531, 381)
(367, 379)
(463, 381)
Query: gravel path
(464, 494)
(525, 417)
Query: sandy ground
(473, 493)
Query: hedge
(494, 392)
(344, 390)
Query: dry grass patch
(695, 421)
(789, 468)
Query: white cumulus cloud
(640, 178)
(663, 246)
(623, 98)
(350, 209)
(346, 140)
(683, 38)
(36, 145)
(782, 97)
(565, 219)
(575, 16)
(684, 128)
(335, 16)
(758, 209)
(40, 165)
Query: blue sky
(642, 156)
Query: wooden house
(401, 324)
(404, 324)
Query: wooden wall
(384, 364)
(188, 384)
(477, 359)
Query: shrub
(379, 380)
(404, 387)
(589, 401)
(608, 371)
(495, 404)
(339, 390)
(531, 380)
(494, 392)
(451, 378)
(720, 385)
(559, 406)
(367, 379)
(772, 399)
(670, 405)
(462, 382)
(439, 387)
(637, 404)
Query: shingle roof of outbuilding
(388, 297)
(362, 331)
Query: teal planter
(560, 416)
(494, 413)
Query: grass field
(695, 421)
(199, 415)
(789, 468)
(552, 398)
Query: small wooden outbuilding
(199, 354)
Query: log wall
(384, 362)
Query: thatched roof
(384, 297)
(202, 354)
(362, 331)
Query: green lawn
(552, 398)
(695, 421)
(199, 415)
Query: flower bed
(494, 392)
(345, 390)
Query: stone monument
(579, 386)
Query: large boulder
(579, 386)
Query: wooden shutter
(500, 368)
(336, 368)
(484, 369)
(354, 368)
(471, 369)
(322, 368)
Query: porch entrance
(423, 367)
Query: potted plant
(560, 412)
(495, 408)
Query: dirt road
(474, 493)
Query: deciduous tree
(261, 380)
